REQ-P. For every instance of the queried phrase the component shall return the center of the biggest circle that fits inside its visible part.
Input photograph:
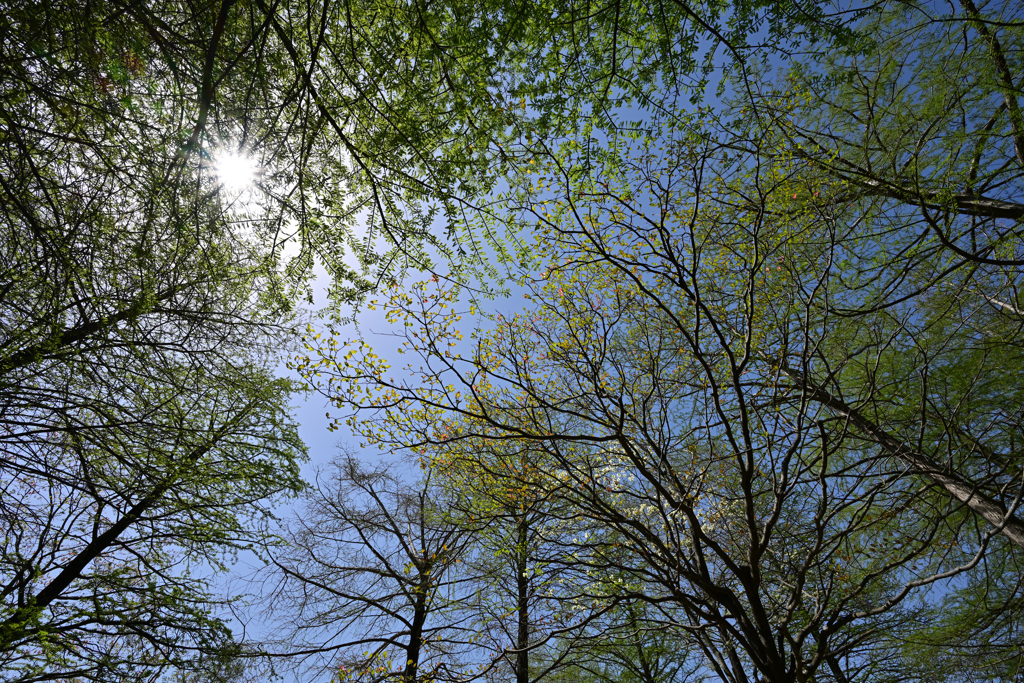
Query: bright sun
(235, 170)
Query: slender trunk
(419, 619)
(522, 606)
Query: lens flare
(235, 171)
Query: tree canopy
(769, 349)
(757, 417)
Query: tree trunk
(959, 487)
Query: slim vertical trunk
(419, 620)
(522, 606)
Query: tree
(137, 404)
(921, 148)
(916, 129)
(923, 125)
(681, 309)
(142, 426)
(920, 134)
(644, 648)
(138, 294)
(369, 574)
(390, 110)
(498, 491)
(984, 616)
(106, 522)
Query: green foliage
(143, 431)
(786, 428)
(763, 407)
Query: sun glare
(235, 171)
